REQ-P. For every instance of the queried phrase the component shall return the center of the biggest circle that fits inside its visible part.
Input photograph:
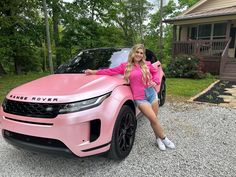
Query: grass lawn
(9, 82)
(186, 88)
(176, 88)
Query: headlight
(82, 105)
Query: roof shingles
(210, 13)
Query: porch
(215, 56)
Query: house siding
(214, 4)
(184, 32)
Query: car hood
(61, 88)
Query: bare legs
(151, 113)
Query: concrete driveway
(205, 138)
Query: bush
(184, 66)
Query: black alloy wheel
(162, 93)
(123, 134)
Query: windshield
(95, 59)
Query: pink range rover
(74, 113)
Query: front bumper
(72, 130)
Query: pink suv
(71, 112)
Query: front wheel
(162, 93)
(123, 134)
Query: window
(193, 33)
(219, 31)
(204, 31)
(208, 31)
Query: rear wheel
(162, 93)
(123, 134)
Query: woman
(142, 77)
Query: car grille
(40, 110)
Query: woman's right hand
(90, 72)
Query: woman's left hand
(152, 84)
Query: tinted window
(150, 56)
(95, 59)
(98, 59)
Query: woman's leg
(148, 111)
(160, 140)
(155, 107)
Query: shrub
(184, 66)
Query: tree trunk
(2, 71)
(44, 54)
(18, 67)
(48, 37)
(55, 18)
(161, 31)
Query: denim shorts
(150, 96)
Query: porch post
(174, 40)
(228, 29)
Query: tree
(153, 36)
(187, 3)
(48, 36)
(56, 9)
(129, 15)
(17, 19)
(141, 10)
(169, 10)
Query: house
(208, 31)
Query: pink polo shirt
(136, 84)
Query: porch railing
(224, 56)
(200, 47)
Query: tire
(123, 134)
(162, 93)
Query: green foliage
(77, 25)
(187, 3)
(17, 41)
(152, 39)
(129, 16)
(184, 67)
(210, 97)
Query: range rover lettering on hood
(34, 98)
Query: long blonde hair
(146, 76)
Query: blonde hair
(146, 76)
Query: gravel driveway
(205, 138)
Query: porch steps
(228, 78)
(229, 72)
